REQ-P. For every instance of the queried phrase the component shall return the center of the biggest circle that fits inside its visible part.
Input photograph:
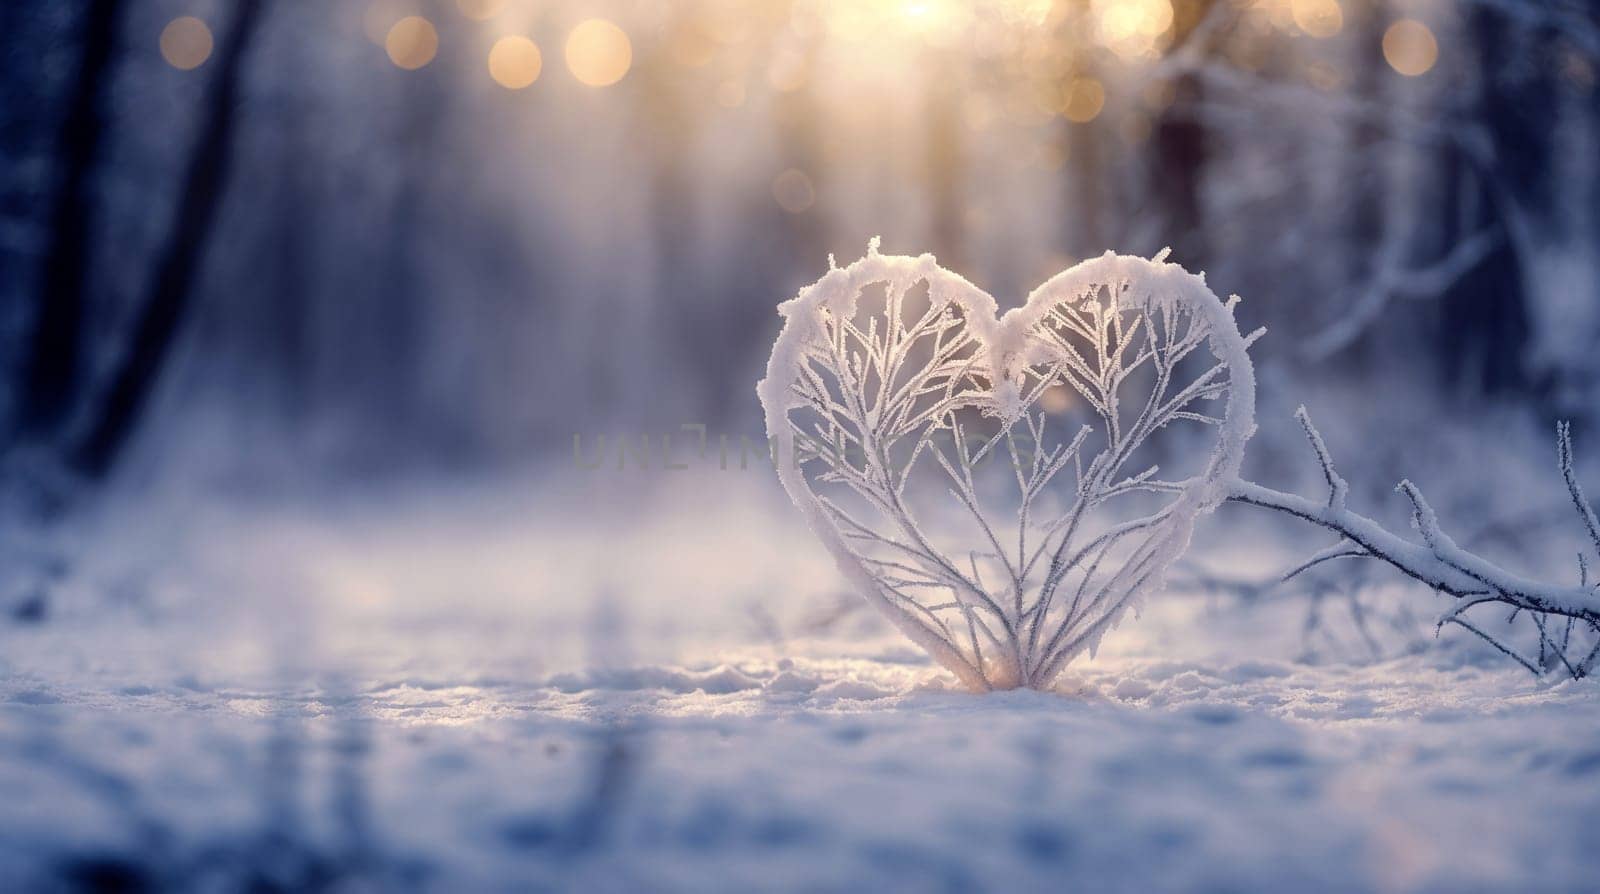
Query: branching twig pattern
(894, 371)
(1438, 561)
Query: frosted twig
(1337, 488)
(868, 402)
(1570, 475)
(1439, 562)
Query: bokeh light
(1410, 48)
(1058, 399)
(1083, 99)
(939, 23)
(1132, 28)
(598, 53)
(412, 42)
(794, 191)
(1318, 18)
(514, 62)
(186, 43)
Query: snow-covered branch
(1003, 531)
(1445, 566)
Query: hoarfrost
(930, 444)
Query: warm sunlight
(795, 446)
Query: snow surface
(513, 687)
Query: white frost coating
(873, 410)
(1446, 568)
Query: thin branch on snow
(1446, 567)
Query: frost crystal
(993, 485)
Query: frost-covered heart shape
(993, 484)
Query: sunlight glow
(514, 62)
(1026, 12)
(849, 21)
(937, 22)
(186, 43)
(412, 42)
(1410, 48)
(599, 53)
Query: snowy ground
(453, 690)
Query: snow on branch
(989, 482)
(994, 484)
(1446, 567)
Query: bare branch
(1570, 475)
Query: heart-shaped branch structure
(991, 484)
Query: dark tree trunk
(171, 290)
(1178, 140)
(1485, 327)
(1368, 246)
(52, 369)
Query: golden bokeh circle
(515, 62)
(1083, 100)
(598, 53)
(1410, 47)
(412, 42)
(186, 43)
(1318, 18)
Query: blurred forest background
(302, 303)
(267, 238)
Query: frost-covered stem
(1579, 501)
(1441, 563)
(1499, 646)
(1445, 567)
(1337, 488)
(855, 398)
